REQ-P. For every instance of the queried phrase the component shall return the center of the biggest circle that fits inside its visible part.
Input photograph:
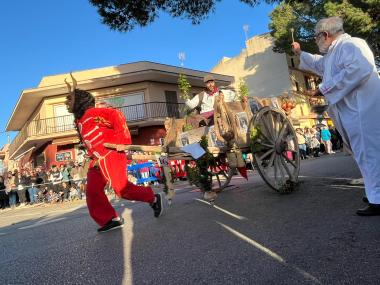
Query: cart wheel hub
(280, 147)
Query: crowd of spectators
(31, 186)
(313, 142)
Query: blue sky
(45, 37)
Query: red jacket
(103, 125)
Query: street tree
(361, 18)
(123, 15)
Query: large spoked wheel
(275, 149)
(221, 174)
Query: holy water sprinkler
(292, 31)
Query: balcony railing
(133, 113)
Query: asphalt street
(253, 235)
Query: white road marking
(224, 211)
(270, 253)
(41, 223)
(347, 186)
(330, 177)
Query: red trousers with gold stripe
(113, 169)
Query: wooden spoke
(273, 156)
(288, 160)
(276, 169)
(283, 128)
(267, 145)
(286, 167)
(268, 128)
(278, 122)
(268, 152)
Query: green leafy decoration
(255, 139)
(243, 89)
(183, 86)
(200, 174)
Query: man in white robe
(351, 86)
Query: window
(171, 104)
(64, 121)
(132, 105)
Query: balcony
(44, 130)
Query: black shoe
(158, 207)
(112, 225)
(365, 199)
(370, 210)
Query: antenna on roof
(246, 28)
(182, 57)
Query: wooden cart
(267, 134)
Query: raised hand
(296, 48)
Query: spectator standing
(65, 173)
(301, 143)
(26, 181)
(326, 140)
(314, 143)
(33, 190)
(55, 178)
(11, 189)
(78, 174)
(19, 181)
(307, 135)
(3, 194)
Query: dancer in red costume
(97, 126)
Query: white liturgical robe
(351, 86)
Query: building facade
(146, 92)
(272, 77)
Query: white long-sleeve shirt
(208, 100)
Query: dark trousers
(4, 200)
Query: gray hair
(332, 25)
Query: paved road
(252, 236)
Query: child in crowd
(73, 195)
(64, 192)
(52, 197)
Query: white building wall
(264, 71)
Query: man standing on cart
(97, 126)
(204, 101)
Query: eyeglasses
(317, 36)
